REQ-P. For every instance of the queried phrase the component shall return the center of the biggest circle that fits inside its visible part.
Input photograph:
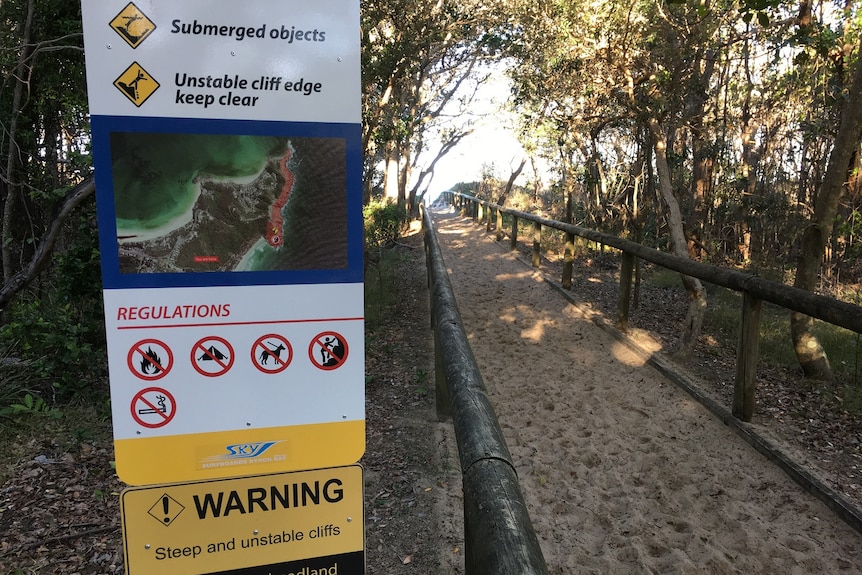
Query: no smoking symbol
(153, 407)
(271, 353)
(328, 351)
(150, 359)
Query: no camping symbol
(150, 359)
(271, 353)
(328, 350)
(212, 356)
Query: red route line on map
(275, 233)
(230, 323)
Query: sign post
(227, 144)
(227, 148)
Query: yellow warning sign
(132, 25)
(136, 84)
(299, 522)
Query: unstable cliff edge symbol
(136, 84)
(132, 25)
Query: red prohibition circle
(321, 343)
(150, 361)
(202, 353)
(261, 355)
(150, 408)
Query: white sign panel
(261, 60)
(226, 143)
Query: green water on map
(154, 174)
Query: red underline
(268, 322)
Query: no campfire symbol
(212, 356)
(150, 359)
(271, 353)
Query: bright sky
(492, 142)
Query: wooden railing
(499, 538)
(755, 290)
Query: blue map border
(101, 128)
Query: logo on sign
(245, 452)
(132, 25)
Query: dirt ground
(622, 471)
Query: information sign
(302, 522)
(226, 140)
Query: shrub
(384, 222)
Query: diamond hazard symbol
(136, 84)
(132, 25)
(165, 510)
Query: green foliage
(54, 346)
(33, 405)
(384, 222)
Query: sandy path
(622, 471)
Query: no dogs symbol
(271, 353)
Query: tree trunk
(693, 286)
(45, 248)
(501, 199)
(809, 352)
(6, 239)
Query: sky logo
(248, 450)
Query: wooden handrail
(754, 289)
(498, 535)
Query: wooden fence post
(627, 265)
(513, 239)
(474, 209)
(746, 358)
(488, 219)
(499, 225)
(537, 244)
(568, 260)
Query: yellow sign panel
(136, 84)
(300, 523)
(213, 455)
(132, 25)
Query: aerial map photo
(204, 202)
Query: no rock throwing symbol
(328, 351)
(150, 359)
(153, 407)
(212, 356)
(271, 353)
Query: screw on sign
(150, 359)
(153, 407)
(328, 350)
(212, 356)
(271, 353)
